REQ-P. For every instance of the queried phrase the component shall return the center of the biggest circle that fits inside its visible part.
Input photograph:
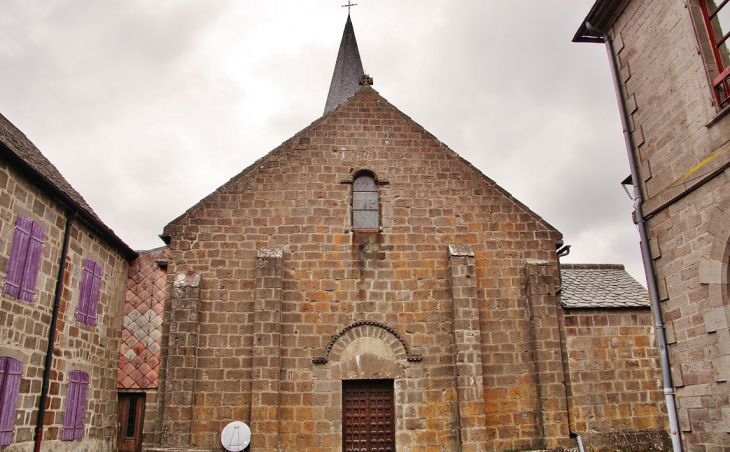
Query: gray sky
(148, 106)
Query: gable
(367, 132)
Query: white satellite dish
(236, 436)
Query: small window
(89, 293)
(25, 259)
(10, 373)
(73, 418)
(365, 210)
(717, 21)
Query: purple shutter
(32, 263)
(94, 295)
(9, 398)
(18, 253)
(81, 406)
(72, 399)
(82, 312)
(3, 363)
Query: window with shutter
(73, 418)
(25, 259)
(10, 372)
(89, 293)
(365, 204)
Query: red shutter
(32, 263)
(18, 253)
(94, 295)
(72, 399)
(9, 398)
(81, 406)
(82, 312)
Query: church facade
(362, 287)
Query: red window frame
(721, 83)
(73, 418)
(25, 260)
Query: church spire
(348, 70)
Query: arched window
(365, 210)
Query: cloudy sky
(148, 106)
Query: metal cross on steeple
(348, 6)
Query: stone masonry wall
(614, 376)
(666, 68)
(298, 199)
(24, 326)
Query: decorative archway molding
(366, 329)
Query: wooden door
(130, 420)
(368, 416)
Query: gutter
(40, 179)
(52, 332)
(640, 222)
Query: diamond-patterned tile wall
(139, 354)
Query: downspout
(645, 251)
(562, 252)
(52, 333)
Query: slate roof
(600, 286)
(15, 146)
(348, 70)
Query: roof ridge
(592, 266)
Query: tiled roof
(140, 350)
(600, 286)
(348, 70)
(24, 152)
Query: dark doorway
(130, 420)
(368, 416)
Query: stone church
(362, 287)
(359, 288)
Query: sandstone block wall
(614, 377)
(24, 326)
(297, 199)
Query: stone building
(64, 275)
(362, 287)
(672, 66)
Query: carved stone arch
(340, 340)
(364, 171)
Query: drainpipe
(645, 251)
(52, 333)
(562, 252)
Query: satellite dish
(236, 436)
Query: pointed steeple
(348, 70)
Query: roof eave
(103, 229)
(602, 15)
